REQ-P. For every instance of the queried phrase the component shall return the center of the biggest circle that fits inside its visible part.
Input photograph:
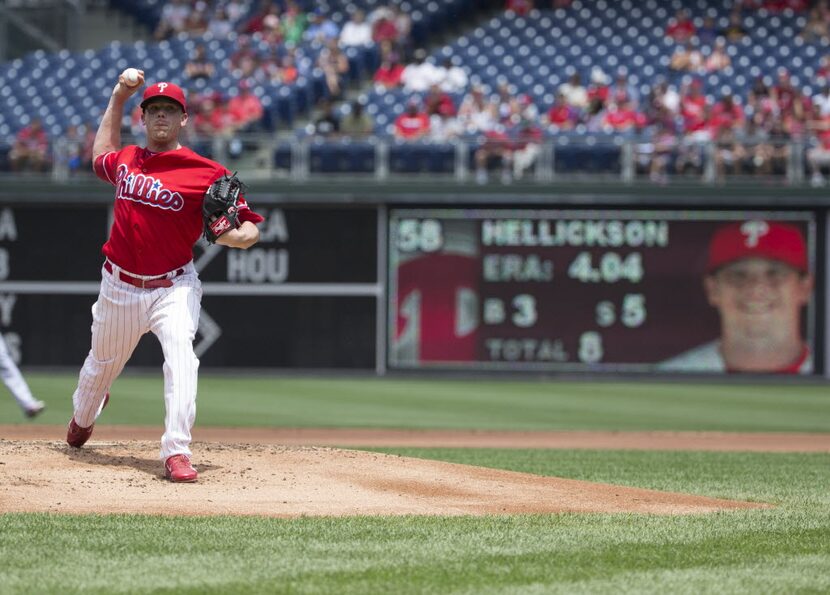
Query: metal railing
(470, 160)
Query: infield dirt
(125, 476)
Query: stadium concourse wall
(325, 287)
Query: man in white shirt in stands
(356, 32)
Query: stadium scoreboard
(557, 289)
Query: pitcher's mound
(126, 477)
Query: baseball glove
(219, 210)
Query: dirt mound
(282, 481)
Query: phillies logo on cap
(753, 231)
(162, 87)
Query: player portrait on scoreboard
(758, 279)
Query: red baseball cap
(169, 90)
(758, 239)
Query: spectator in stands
(335, 66)
(734, 31)
(730, 151)
(600, 86)
(818, 156)
(172, 19)
(271, 32)
(244, 60)
(287, 72)
(444, 126)
(357, 122)
(759, 146)
(196, 23)
(621, 118)
(437, 101)
(623, 90)
(681, 28)
(357, 32)
(384, 28)
(388, 75)
(687, 58)
(822, 100)
(73, 142)
(477, 114)
(403, 28)
(495, 149)
(256, 23)
(708, 32)
(321, 28)
(816, 30)
(783, 94)
(420, 75)
(30, 151)
(823, 71)
(245, 109)
(235, 10)
(759, 102)
(453, 78)
(719, 59)
(199, 67)
(662, 94)
(526, 146)
(221, 25)
(727, 113)
(519, 7)
(664, 141)
(575, 94)
(413, 124)
(294, 23)
(561, 116)
(327, 124)
(696, 135)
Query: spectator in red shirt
(622, 118)
(693, 108)
(389, 73)
(413, 123)
(30, 151)
(599, 88)
(245, 108)
(681, 28)
(783, 93)
(519, 7)
(438, 102)
(561, 116)
(726, 114)
(384, 28)
(496, 144)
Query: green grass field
(781, 550)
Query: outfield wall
(444, 278)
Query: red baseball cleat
(76, 435)
(178, 468)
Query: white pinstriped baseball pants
(122, 314)
(13, 379)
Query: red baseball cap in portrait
(163, 89)
(756, 238)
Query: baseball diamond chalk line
(290, 481)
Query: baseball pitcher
(166, 196)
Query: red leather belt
(154, 283)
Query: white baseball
(131, 77)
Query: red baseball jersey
(158, 206)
